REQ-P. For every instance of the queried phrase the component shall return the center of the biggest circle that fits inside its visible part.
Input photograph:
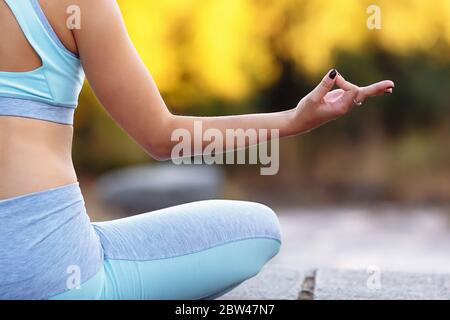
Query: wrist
(294, 123)
(299, 121)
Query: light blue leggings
(199, 250)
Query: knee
(269, 227)
(262, 218)
(244, 219)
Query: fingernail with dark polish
(333, 74)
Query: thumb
(324, 86)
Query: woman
(48, 247)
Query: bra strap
(37, 30)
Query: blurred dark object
(142, 189)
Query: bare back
(34, 155)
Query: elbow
(158, 144)
(159, 150)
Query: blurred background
(220, 57)
(372, 188)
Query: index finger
(344, 84)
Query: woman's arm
(124, 86)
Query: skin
(108, 57)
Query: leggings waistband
(69, 190)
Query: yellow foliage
(229, 48)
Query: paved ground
(389, 253)
(350, 284)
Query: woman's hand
(131, 97)
(323, 105)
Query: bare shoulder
(62, 9)
(89, 7)
(67, 17)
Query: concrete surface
(367, 285)
(384, 253)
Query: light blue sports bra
(51, 91)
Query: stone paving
(357, 285)
(385, 253)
